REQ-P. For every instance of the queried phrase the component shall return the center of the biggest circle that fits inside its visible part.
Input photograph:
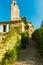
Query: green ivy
(9, 53)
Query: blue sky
(32, 9)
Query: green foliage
(2, 34)
(38, 37)
(9, 53)
(24, 38)
(42, 24)
(10, 56)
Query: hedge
(38, 37)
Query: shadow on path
(29, 56)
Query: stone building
(15, 11)
(15, 21)
(31, 29)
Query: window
(4, 28)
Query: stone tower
(15, 12)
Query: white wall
(7, 28)
(1, 28)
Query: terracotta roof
(13, 22)
(30, 22)
(10, 22)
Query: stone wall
(31, 29)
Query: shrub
(9, 53)
(10, 56)
(24, 38)
(38, 37)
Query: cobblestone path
(29, 56)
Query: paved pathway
(29, 56)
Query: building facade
(15, 17)
(15, 21)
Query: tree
(42, 24)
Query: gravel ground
(29, 56)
